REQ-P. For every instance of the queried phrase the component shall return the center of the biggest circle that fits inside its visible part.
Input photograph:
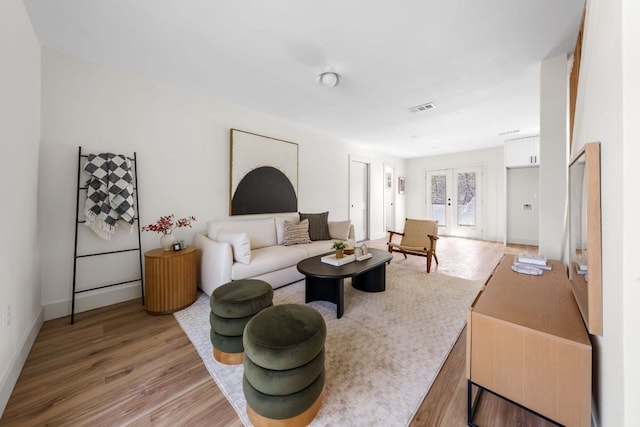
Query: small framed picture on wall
(401, 184)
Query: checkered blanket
(109, 193)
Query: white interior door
(389, 199)
(359, 198)
(523, 205)
(454, 198)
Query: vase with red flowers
(165, 225)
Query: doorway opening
(359, 198)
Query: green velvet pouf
(229, 327)
(240, 298)
(280, 383)
(284, 365)
(232, 307)
(283, 407)
(284, 336)
(226, 344)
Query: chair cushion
(416, 232)
(241, 298)
(408, 248)
(318, 225)
(284, 336)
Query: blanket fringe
(98, 226)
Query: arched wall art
(264, 174)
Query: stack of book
(581, 266)
(527, 261)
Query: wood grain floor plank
(119, 365)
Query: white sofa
(254, 249)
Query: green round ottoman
(284, 365)
(232, 306)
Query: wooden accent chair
(419, 238)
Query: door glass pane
(467, 199)
(439, 199)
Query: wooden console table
(526, 342)
(171, 279)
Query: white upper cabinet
(522, 152)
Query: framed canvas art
(264, 174)
(401, 184)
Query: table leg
(332, 290)
(373, 280)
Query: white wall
(553, 154)
(608, 107)
(19, 142)
(631, 205)
(182, 143)
(491, 159)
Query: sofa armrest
(216, 260)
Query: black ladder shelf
(80, 189)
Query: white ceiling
(478, 61)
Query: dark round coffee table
(325, 282)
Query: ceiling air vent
(423, 107)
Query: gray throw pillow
(318, 225)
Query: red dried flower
(166, 224)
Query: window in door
(453, 199)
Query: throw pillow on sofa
(296, 233)
(280, 220)
(339, 230)
(318, 225)
(240, 244)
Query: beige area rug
(381, 356)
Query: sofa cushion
(261, 232)
(296, 233)
(240, 244)
(318, 225)
(339, 230)
(280, 220)
(266, 260)
(319, 247)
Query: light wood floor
(120, 366)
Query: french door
(454, 198)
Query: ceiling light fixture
(422, 107)
(329, 79)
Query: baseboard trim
(20, 357)
(528, 242)
(92, 300)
